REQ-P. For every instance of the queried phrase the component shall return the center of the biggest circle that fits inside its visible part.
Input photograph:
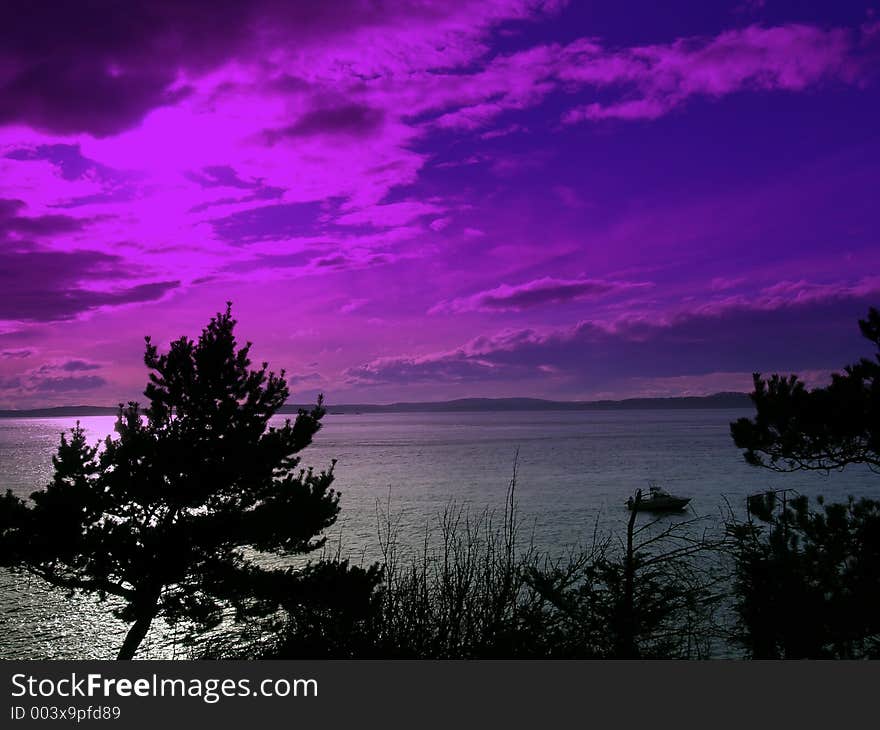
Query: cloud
(508, 82)
(656, 79)
(191, 119)
(503, 131)
(215, 176)
(68, 384)
(72, 366)
(173, 130)
(52, 378)
(11, 223)
(647, 82)
(20, 354)
(531, 294)
(46, 286)
(389, 215)
(43, 284)
(813, 331)
(268, 222)
(92, 68)
(786, 294)
(304, 379)
(334, 261)
(749, 6)
(353, 305)
(350, 120)
(456, 367)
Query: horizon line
(471, 400)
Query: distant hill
(718, 400)
(60, 412)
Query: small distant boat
(657, 500)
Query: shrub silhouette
(808, 580)
(655, 597)
(167, 516)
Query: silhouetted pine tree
(808, 580)
(169, 514)
(820, 429)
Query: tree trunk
(136, 635)
(627, 641)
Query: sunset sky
(432, 200)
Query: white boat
(657, 500)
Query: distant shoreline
(461, 405)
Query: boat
(657, 500)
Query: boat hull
(664, 504)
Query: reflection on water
(575, 468)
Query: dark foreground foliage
(808, 581)
(478, 589)
(787, 582)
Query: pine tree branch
(91, 585)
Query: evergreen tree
(808, 580)
(169, 515)
(820, 429)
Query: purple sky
(429, 200)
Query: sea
(574, 471)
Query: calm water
(574, 469)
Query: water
(574, 469)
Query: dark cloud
(46, 286)
(68, 384)
(312, 259)
(15, 354)
(536, 293)
(306, 378)
(296, 260)
(353, 260)
(821, 333)
(337, 261)
(215, 176)
(9, 209)
(224, 176)
(10, 383)
(43, 225)
(82, 97)
(454, 367)
(67, 157)
(71, 164)
(72, 366)
(52, 378)
(100, 66)
(269, 222)
(349, 120)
